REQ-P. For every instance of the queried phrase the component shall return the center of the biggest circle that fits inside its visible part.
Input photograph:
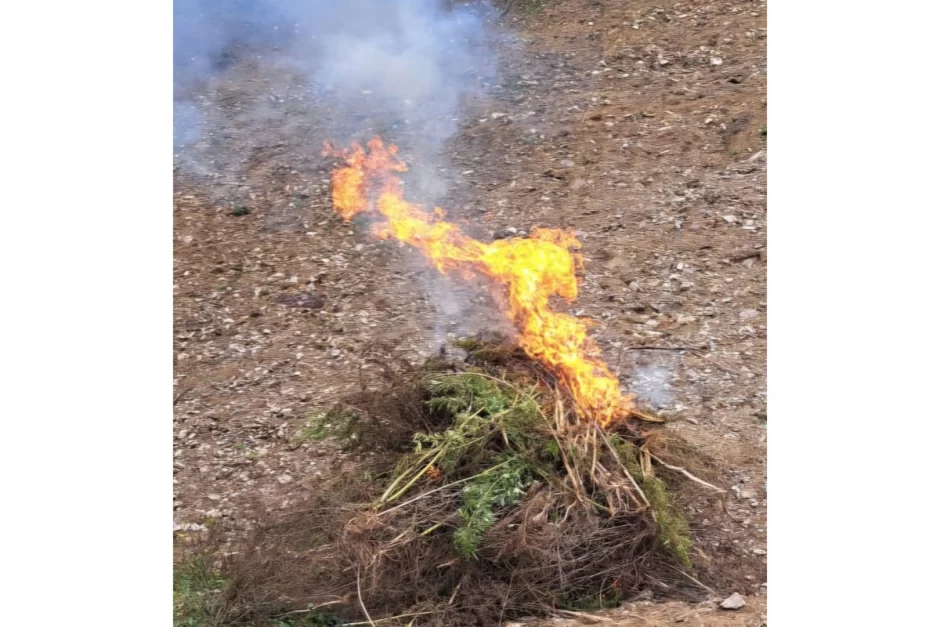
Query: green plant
(342, 424)
(500, 487)
(593, 603)
(466, 394)
(241, 210)
(310, 618)
(196, 586)
(763, 131)
(673, 527)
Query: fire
(531, 270)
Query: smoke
(338, 70)
(275, 78)
(651, 378)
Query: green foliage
(673, 527)
(469, 433)
(594, 603)
(763, 131)
(512, 411)
(500, 487)
(467, 393)
(310, 618)
(551, 451)
(342, 424)
(483, 351)
(241, 210)
(195, 588)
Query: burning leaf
(529, 270)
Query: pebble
(734, 602)
(284, 479)
(748, 314)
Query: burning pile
(506, 482)
(530, 270)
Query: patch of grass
(338, 423)
(196, 586)
(763, 131)
(241, 210)
(594, 603)
(531, 7)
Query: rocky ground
(640, 125)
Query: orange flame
(532, 270)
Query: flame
(531, 270)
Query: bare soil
(640, 125)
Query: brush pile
(485, 497)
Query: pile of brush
(483, 497)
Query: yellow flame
(531, 270)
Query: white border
(86, 313)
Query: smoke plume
(272, 79)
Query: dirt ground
(640, 125)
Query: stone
(734, 602)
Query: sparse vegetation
(196, 588)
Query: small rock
(304, 300)
(734, 602)
(760, 552)
(716, 61)
(729, 219)
(748, 314)
(508, 232)
(567, 163)
(335, 353)
(284, 479)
